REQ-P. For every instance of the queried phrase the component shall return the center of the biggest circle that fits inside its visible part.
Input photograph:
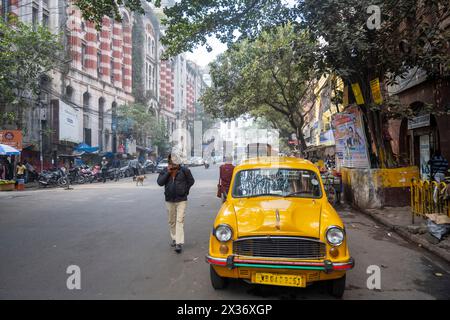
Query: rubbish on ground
(438, 218)
(438, 230)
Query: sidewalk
(399, 220)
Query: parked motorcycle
(51, 178)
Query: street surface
(117, 234)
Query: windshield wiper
(298, 192)
(265, 194)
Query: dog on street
(140, 179)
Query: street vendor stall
(6, 150)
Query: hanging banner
(376, 91)
(351, 145)
(345, 97)
(357, 93)
(69, 123)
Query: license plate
(280, 279)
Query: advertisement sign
(327, 137)
(69, 123)
(12, 138)
(351, 145)
(357, 93)
(376, 91)
(424, 150)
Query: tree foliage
(272, 76)
(25, 56)
(139, 122)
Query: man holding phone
(177, 181)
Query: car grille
(280, 247)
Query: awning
(83, 147)
(6, 150)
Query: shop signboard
(419, 122)
(351, 145)
(12, 138)
(69, 123)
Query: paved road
(117, 234)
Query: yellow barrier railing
(429, 197)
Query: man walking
(177, 180)
(104, 168)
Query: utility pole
(41, 157)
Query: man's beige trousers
(176, 212)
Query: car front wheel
(217, 281)
(336, 287)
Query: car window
(277, 182)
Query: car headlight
(223, 233)
(335, 236)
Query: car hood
(297, 217)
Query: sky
(202, 57)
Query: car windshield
(276, 182)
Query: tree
(411, 34)
(273, 76)
(139, 122)
(26, 55)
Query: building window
(99, 61)
(112, 70)
(45, 18)
(83, 55)
(35, 16)
(86, 125)
(123, 76)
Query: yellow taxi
(278, 228)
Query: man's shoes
(173, 244)
(178, 248)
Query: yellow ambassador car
(278, 228)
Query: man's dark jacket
(176, 189)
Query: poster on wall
(12, 138)
(351, 145)
(69, 123)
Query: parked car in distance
(196, 161)
(149, 166)
(161, 165)
(278, 228)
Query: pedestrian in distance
(225, 175)
(116, 166)
(134, 164)
(104, 168)
(20, 170)
(177, 181)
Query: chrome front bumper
(326, 265)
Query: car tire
(336, 287)
(217, 281)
